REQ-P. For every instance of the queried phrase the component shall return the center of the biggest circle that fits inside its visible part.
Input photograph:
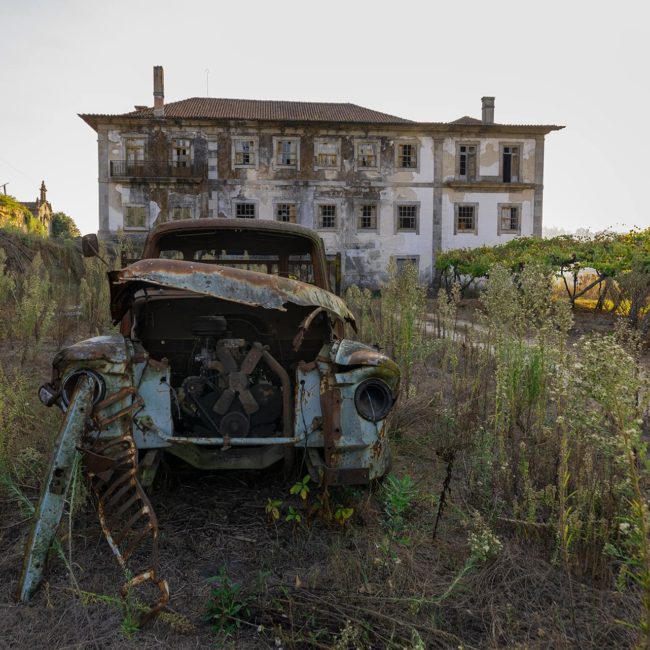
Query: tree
(63, 226)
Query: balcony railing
(157, 169)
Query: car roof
(230, 224)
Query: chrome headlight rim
(373, 399)
(70, 381)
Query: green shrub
(227, 606)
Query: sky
(575, 63)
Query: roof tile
(253, 109)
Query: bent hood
(223, 282)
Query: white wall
(487, 220)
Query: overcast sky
(580, 64)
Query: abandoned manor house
(374, 186)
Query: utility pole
(4, 187)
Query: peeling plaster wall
(489, 155)
(214, 190)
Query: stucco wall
(486, 219)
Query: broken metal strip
(121, 536)
(136, 540)
(47, 515)
(126, 505)
(118, 493)
(137, 403)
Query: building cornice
(434, 129)
(488, 186)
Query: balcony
(158, 170)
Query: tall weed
(34, 311)
(95, 297)
(395, 321)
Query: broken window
(245, 152)
(286, 212)
(181, 212)
(367, 217)
(367, 155)
(245, 210)
(510, 164)
(509, 219)
(407, 218)
(286, 152)
(327, 216)
(465, 218)
(181, 152)
(135, 216)
(326, 153)
(407, 156)
(134, 151)
(467, 162)
(402, 262)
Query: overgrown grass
(517, 513)
(544, 435)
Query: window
(181, 152)
(510, 163)
(326, 153)
(367, 217)
(134, 151)
(467, 162)
(509, 219)
(286, 212)
(181, 212)
(327, 216)
(286, 152)
(465, 221)
(367, 155)
(402, 262)
(407, 155)
(407, 218)
(245, 152)
(245, 210)
(135, 216)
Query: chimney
(488, 110)
(158, 91)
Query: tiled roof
(466, 119)
(253, 109)
(202, 108)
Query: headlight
(70, 382)
(373, 400)
(47, 394)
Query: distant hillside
(15, 215)
(62, 258)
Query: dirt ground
(305, 584)
(315, 584)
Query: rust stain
(125, 513)
(222, 282)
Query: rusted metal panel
(353, 353)
(226, 283)
(106, 348)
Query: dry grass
(491, 576)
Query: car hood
(223, 282)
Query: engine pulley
(235, 425)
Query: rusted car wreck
(231, 355)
